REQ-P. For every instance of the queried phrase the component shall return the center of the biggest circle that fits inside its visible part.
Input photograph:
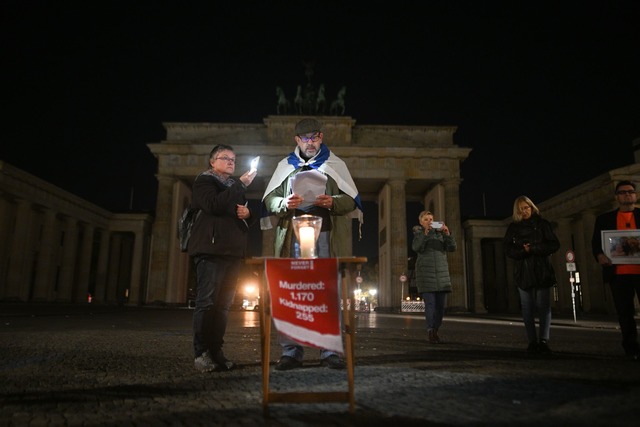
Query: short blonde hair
(423, 214)
(517, 215)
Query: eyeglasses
(626, 192)
(313, 138)
(226, 159)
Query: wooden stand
(348, 318)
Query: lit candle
(307, 242)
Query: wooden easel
(348, 318)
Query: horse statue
(337, 106)
(283, 102)
(321, 101)
(298, 101)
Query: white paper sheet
(308, 184)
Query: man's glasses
(626, 192)
(226, 159)
(313, 138)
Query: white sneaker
(203, 363)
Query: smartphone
(436, 225)
(254, 163)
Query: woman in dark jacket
(432, 241)
(530, 241)
(217, 246)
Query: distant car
(250, 305)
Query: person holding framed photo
(623, 279)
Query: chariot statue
(309, 101)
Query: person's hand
(417, 229)
(526, 247)
(247, 177)
(324, 201)
(603, 260)
(445, 229)
(293, 201)
(243, 211)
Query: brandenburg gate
(391, 165)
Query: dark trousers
(216, 287)
(624, 289)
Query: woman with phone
(431, 241)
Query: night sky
(545, 93)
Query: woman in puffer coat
(530, 241)
(432, 241)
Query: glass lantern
(307, 229)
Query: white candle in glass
(307, 242)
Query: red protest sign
(305, 300)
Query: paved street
(109, 366)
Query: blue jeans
(536, 302)
(216, 280)
(290, 347)
(434, 303)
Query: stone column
(163, 236)
(49, 245)
(20, 266)
(68, 262)
(398, 239)
(458, 300)
(84, 269)
(135, 283)
(178, 267)
(101, 272)
(114, 267)
(6, 231)
(478, 279)
(510, 294)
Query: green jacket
(432, 267)
(340, 235)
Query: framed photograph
(621, 246)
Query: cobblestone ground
(134, 367)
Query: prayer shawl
(326, 162)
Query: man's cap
(306, 126)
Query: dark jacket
(218, 231)
(432, 267)
(533, 269)
(607, 221)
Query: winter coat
(218, 231)
(432, 267)
(533, 269)
(340, 234)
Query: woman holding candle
(339, 203)
(431, 242)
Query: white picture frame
(621, 246)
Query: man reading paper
(336, 206)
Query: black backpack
(185, 223)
